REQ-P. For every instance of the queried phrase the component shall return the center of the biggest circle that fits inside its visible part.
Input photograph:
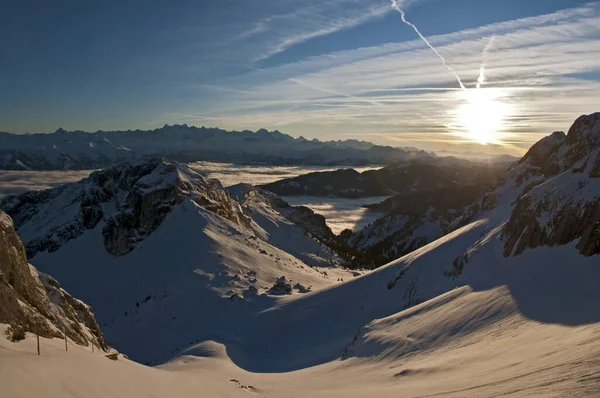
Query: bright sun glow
(482, 117)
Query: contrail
(329, 91)
(487, 48)
(397, 8)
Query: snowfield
(509, 326)
(485, 339)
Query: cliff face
(563, 203)
(35, 301)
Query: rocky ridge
(560, 200)
(34, 302)
(131, 200)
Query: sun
(482, 116)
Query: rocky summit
(560, 201)
(130, 199)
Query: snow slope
(181, 260)
(412, 220)
(491, 337)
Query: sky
(334, 69)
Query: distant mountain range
(79, 150)
(479, 156)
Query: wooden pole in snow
(38, 342)
(65, 332)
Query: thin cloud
(537, 63)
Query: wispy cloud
(315, 21)
(536, 61)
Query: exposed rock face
(281, 286)
(131, 201)
(310, 221)
(35, 301)
(560, 202)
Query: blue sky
(332, 70)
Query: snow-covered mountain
(81, 150)
(33, 302)
(173, 249)
(553, 189)
(401, 178)
(553, 192)
(465, 315)
(411, 221)
(428, 194)
(131, 200)
(62, 150)
(466, 287)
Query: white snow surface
(511, 326)
(517, 327)
(196, 268)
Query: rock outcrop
(35, 302)
(561, 202)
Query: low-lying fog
(340, 213)
(231, 174)
(15, 182)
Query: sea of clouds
(340, 213)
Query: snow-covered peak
(586, 127)
(542, 150)
(131, 200)
(552, 196)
